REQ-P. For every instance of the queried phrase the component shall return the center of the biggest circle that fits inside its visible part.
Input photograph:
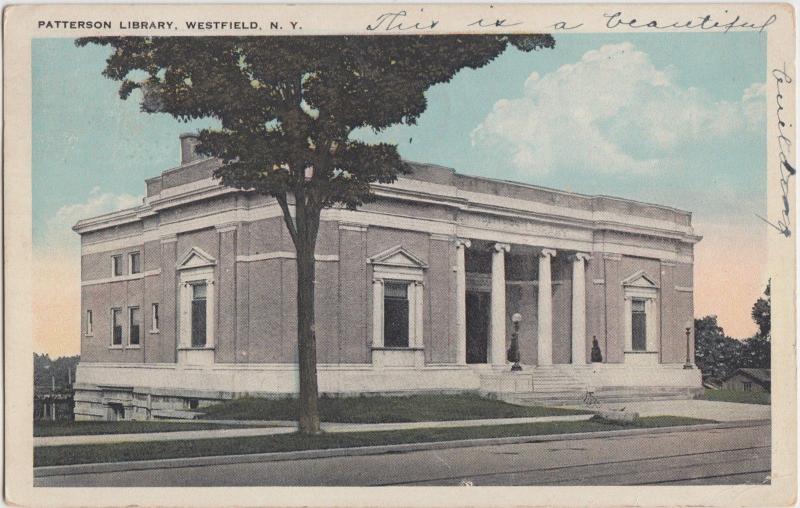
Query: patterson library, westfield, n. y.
(190, 298)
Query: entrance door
(478, 312)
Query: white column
(461, 301)
(377, 313)
(579, 308)
(419, 314)
(544, 316)
(628, 324)
(498, 322)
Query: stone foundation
(105, 391)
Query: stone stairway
(605, 395)
(553, 379)
(568, 385)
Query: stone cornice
(556, 216)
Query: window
(154, 327)
(638, 325)
(89, 323)
(641, 317)
(198, 311)
(395, 314)
(133, 329)
(748, 387)
(134, 263)
(116, 266)
(196, 307)
(397, 305)
(116, 327)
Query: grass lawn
(737, 396)
(84, 454)
(413, 408)
(45, 428)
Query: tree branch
(287, 216)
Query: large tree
(287, 107)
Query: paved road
(718, 456)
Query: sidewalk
(693, 408)
(289, 428)
(140, 465)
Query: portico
(526, 272)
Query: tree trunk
(307, 223)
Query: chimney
(189, 142)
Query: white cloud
(58, 230)
(612, 111)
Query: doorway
(116, 411)
(478, 315)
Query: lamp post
(688, 364)
(513, 352)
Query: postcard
(400, 255)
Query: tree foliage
(286, 104)
(762, 313)
(718, 355)
(61, 370)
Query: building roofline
(136, 213)
(553, 190)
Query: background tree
(762, 313)
(716, 354)
(756, 350)
(61, 370)
(287, 107)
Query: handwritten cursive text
(786, 170)
(707, 22)
(389, 21)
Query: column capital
(377, 281)
(224, 228)
(547, 253)
(463, 243)
(500, 247)
(580, 256)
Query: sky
(673, 119)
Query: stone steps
(604, 395)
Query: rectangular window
(199, 315)
(116, 327)
(116, 266)
(395, 314)
(638, 325)
(89, 323)
(748, 387)
(154, 328)
(135, 325)
(134, 262)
